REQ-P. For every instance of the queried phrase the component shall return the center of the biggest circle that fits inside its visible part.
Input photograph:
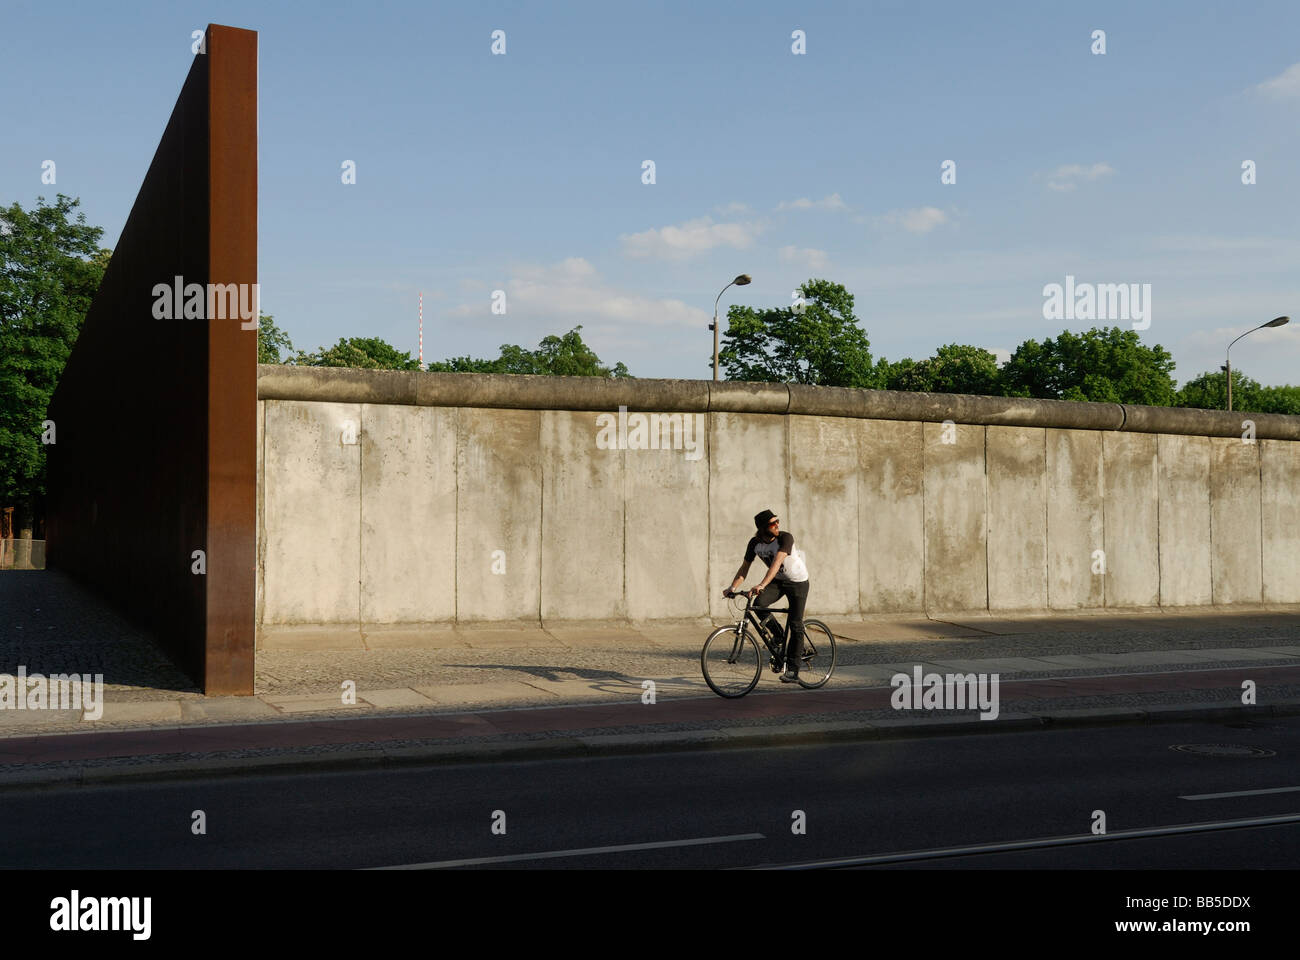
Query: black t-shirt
(793, 569)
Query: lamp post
(1279, 321)
(740, 281)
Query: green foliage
(1209, 391)
(565, 356)
(271, 340)
(1285, 399)
(955, 368)
(822, 345)
(366, 353)
(50, 269)
(1109, 365)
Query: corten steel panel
(156, 452)
(232, 365)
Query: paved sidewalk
(475, 693)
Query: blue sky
(523, 171)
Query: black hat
(761, 520)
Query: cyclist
(787, 576)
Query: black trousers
(797, 594)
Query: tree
(565, 356)
(271, 340)
(367, 353)
(1209, 391)
(1109, 365)
(50, 268)
(1285, 399)
(954, 368)
(820, 343)
(568, 356)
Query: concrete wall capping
(344, 385)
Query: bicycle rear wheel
(731, 664)
(817, 659)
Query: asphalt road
(931, 800)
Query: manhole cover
(1222, 750)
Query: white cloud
(918, 220)
(1002, 354)
(1067, 177)
(572, 291)
(831, 202)
(1284, 86)
(1219, 337)
(810, 257)
(689, 239)
(734, 208)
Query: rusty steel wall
(156, 419)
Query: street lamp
(1228, 368)
(740, 281)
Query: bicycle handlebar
(749, 602)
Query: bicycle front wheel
(817, 659)
(730, 663)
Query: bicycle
(732, 664)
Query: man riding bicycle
(787, 576)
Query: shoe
(790, 676)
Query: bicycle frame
(750, 617)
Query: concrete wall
(459, 502)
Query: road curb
(372, 756)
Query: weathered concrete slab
(498, 515)
(412, 637)
(747, 474)
(999, 665)
(496, 691)
(1184, 520)
(313, 524)
(487, 639)
(878, 630)
(1075, 513)
(138, 711)
(891, 517)
(310, 638)
(260, 584)
(824, 510)
(1017, 510)
(583, 520)
(322, 703)
(1235, 558)
(666, 497)
(13, 722)
(227, 708)
(408, 513)
(612, 689)
(1132, 511)
(397, 697)
(956, 518)
(1279, 462)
